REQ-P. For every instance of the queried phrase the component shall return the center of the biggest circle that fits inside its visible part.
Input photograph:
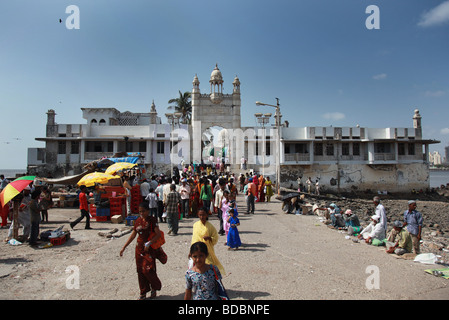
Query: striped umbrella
(14, 188)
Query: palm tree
(183, 105)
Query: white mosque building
(341, 158)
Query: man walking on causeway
(84, 208)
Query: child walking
(200, 278)
(233, 239)
(224, 209)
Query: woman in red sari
(147, 231)
(261, 189)
(4, 215)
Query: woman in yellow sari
(205, 232)
(269, 186)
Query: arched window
(93, 121)
(102, 122)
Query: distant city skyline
(318, 57)
(435, 158)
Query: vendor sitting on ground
(399, 240)
(98, 200)
(374, 233)
(333, 213)
(336, 217)
(351, 219)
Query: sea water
(438, 177)
(12, 173)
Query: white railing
(384, 156)
(296, 157)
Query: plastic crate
(110, 189)
(130, 220)
(103, 212)
(58, 241)
(101, 218)
(93, 210)
(115, 205)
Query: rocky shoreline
(434, 207)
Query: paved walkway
(283, 257)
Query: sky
(322, 58)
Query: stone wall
(359, 177)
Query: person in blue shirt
(414, 221)
(336, 216)
(351, 219)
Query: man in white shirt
(160, 201)
(380, 212)
(373, 231)
(166, 189)
(309, 185)
(152, 202)
(218, 201)
(144, 189)
(153, 182)
(184, 190)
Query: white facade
(342, 158)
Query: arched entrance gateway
(216, 147)
(216, 122)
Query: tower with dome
(213, 109)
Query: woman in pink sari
(224, 210)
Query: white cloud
(435, 94)
(334, 116)
(380, 76)
(436, 16)
(444, 131)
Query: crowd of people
(201, 190)
(190, 194)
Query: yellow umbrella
(119, 166)
(91, 179)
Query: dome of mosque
(216, 75)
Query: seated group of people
(398, 241)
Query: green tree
(183, 105)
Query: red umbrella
(14, 188)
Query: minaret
(195, 142)
(196, 85)
(52, 127)
(236, 103)
(417, 124)
(153, 114)
(51, 117)
(195, 98)
(236, 84)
